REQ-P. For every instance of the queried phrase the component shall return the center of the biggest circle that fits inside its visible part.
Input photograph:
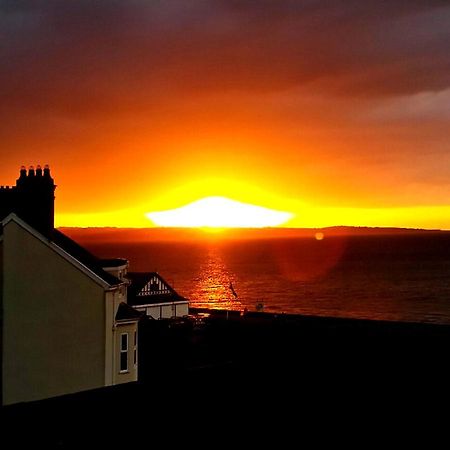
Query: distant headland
(106, 234)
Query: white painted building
(66, 325)
(152, 295)
(66, 317)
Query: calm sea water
(404, 277)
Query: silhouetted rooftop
(126, 312)
(138, 282)
(83, 256)
(80, 254)
(113, 262)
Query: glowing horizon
(166, 117)
(219, 212)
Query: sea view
(233, 216)
(391, 277)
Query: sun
(219, 212)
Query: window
(135, 348)
(124, 352)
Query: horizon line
(227, 229)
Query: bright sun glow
(219, 212)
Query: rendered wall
(53, 322)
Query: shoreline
(269, 315)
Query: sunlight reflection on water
(213, 285)
(374, 277)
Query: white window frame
(135, 354)
(122, 351)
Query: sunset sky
(335, 111)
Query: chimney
(35, 198)
(47, 171)
(23, 173)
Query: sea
(402, 277)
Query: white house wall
(165, 310)
(112, 301)
(53, 322)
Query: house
(152, 295)
(65, 321)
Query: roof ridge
(64, 245)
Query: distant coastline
(106, 234)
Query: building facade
(151, 294)
(65, 322)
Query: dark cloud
(72, 62)
(84, 56)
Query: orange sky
(335, 111)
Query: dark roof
(113, 262)
(155, 299)
(78, 252)
(83, 256)
(138, 282)
(126, 312)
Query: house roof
(126, 313)
(70, 250)
(83, 256)
(149, 288)
(114, 262)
